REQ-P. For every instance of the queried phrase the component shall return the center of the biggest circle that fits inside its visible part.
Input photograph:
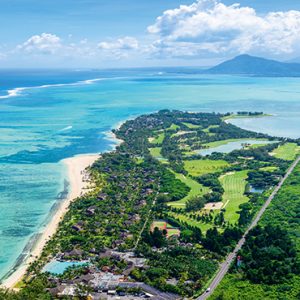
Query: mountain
(256, 66)
(295, 60)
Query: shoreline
(235, 117)
(75, 186)
(112, 136)
(78, 185)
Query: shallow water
(41, 126)
(231, 146)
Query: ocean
(49, 115)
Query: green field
(156, 153)
(234, 185)
(283, 211)
(173, 127)
(184, 218)
(196, 189)
(191, 126)
(269, 169)
(201, 167)
(254, 146)
(207, 130)
(287, 151)
(224, 142)
(158, 139)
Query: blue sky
(101, 33)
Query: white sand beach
(78, 181)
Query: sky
(142, 33)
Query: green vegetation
(225, 142)
(269, 169)
(196, 189)
(174, 127)
(200, 167)
(234, 185)
(244, 114)
(235, 287)
(190, 125)
(269, 255)
(156, 152)
(185, 266)
(164, 207)
(207, 130)
(272, 253)
(157, 140)
(185, 219)
(286, 151)
(159, 224)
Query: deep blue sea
(48, 115)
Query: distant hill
(256, 66)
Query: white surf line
(18, 90)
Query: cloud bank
(209, 27)
(206, 30)
(46, 43)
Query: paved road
(225, 265)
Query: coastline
(78, 185)
(234, 117)
(112, 137)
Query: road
(230, 258)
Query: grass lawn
(158, 139)
(183, 218)
(224, 142)
(156, 153)
(255, 146)
(234, 185)
(287, 151)
(139, 160)
(196, 189)
(173, 127)
(207, 130)
(191, 126)
(269, 169)
(201, 167)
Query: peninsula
(164, 211)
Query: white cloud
(125, 43)
(120, 48)
(209, 27)
(46, 43)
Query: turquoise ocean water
(64, 113)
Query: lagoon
(231, 146)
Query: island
(165, 209)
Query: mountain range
(256, 66)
